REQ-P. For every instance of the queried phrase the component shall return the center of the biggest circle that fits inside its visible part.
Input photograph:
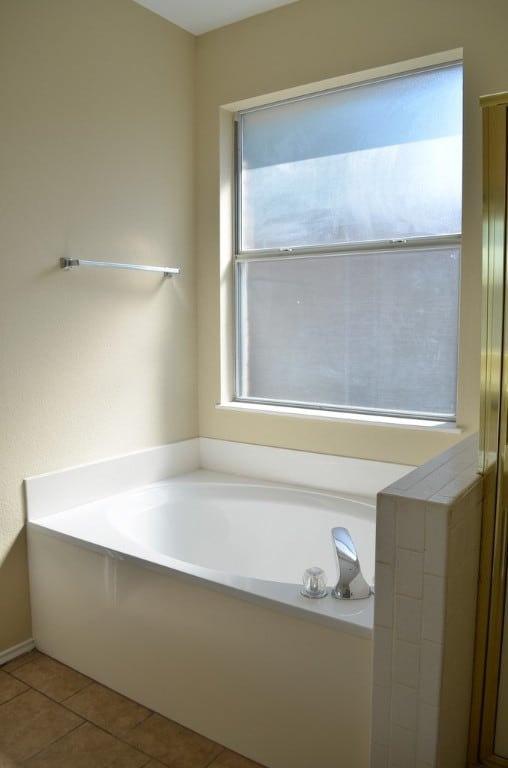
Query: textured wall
(96, 161)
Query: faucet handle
(351, 584)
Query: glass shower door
(489, 732)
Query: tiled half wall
(427, 554)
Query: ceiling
(199, 16)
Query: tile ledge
(412, 485)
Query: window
(348, 247)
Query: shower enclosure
(489, 732)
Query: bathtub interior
(262, 531)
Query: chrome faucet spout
(351, 584)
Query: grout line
(16, 695)
(210, 765)
(149, 714)
(46, 696)
(52, 743)
(74, 693)
(43, 693)
(118, 738)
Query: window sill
(347, 418)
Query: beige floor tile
(6, 762)
(38, 732)
(9, 687)
(88, 747)
(51, 677)
(154, 735)
(190, 750)
(151, 764)
(30, 722)
(107, 709)
(172, 744)
(232, 760)
(20, 660)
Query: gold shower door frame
(493, 438)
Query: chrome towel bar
(66, 263)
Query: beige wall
(96, 161)
(309, 41)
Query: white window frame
(230, 252)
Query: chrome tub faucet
(351, 584)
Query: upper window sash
(317, 172)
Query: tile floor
(54, 717)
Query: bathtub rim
(277, 596)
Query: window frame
(241, 256)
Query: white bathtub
(248, 537)
(185, 595)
